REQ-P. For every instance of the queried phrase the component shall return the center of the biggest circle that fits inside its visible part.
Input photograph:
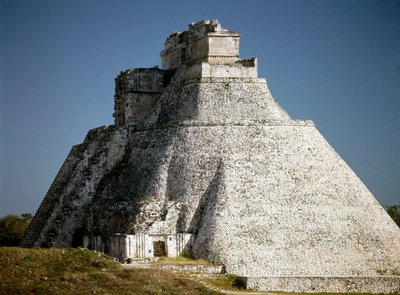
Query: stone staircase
(49, 202)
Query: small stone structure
(148, 246)
(202, 160)
(204, 41)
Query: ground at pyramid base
(203, 161)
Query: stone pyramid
(202, 160)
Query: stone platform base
(358, 284)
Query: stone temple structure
(202, 160)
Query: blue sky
(334, 62)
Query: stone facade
(136, 92)
(148, 246)
(203, 160)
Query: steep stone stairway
(52, 196)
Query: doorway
(159, 249)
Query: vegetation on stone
(12, 228)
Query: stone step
(137, 260)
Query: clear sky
(334, 62)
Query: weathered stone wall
(288, 205)
(218, 100)
(136, 92)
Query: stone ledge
(371, 284)
(231, 79)
(208, 269)
(204, 269)
(247, 123)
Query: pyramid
(202, 160)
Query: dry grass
(227, 282)
(80, 271)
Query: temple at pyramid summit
(202, 160)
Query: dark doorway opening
(183, 55)
(77, 238)
(115, 222)
(159, 249)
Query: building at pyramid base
(202, 160)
